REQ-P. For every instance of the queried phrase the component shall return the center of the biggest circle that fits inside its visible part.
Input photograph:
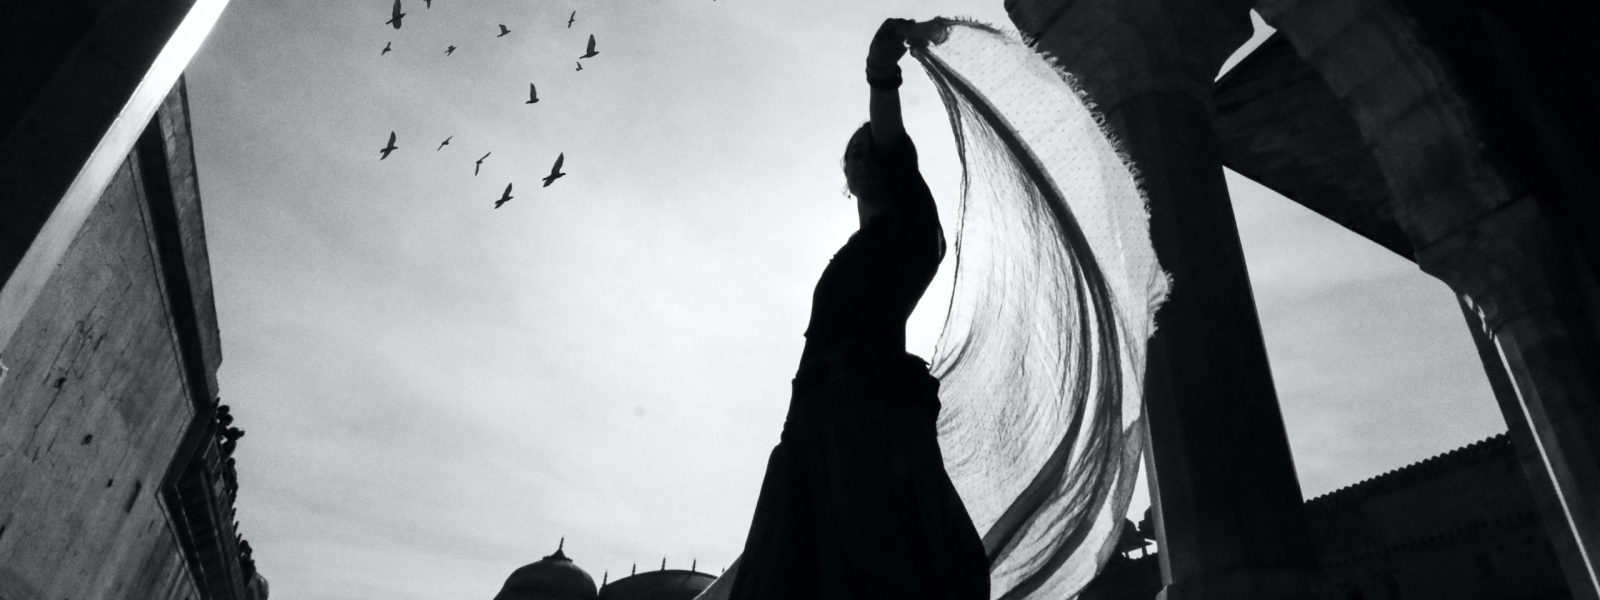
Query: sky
(436, 391)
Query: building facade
(116, 479)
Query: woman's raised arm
(883, 74)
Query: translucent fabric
(1041, 359)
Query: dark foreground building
(1458, 134)
(1461, 525)
(115, 473)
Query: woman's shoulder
(901, 153)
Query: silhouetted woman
(856, 502)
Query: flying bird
(580, 66)
(555, 170)
(533, 94)
(386, 48)
(477, 165)
(591, 52)
(449, 50)
(571, 19)
(504, 197)
(389, 148)
(503, 30)
(444, 143)
(396, 16)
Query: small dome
(672, 584)
(553, 577)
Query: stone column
(1554, 516)
(1514, 269)
(1232, 524)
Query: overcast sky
(436, 391)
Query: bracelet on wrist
(885, 83)
(884, 78)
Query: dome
(553, 577)
(672, 584)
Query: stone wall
(110, 371)
(1459, 525)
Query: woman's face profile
(855, 159)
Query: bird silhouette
(477, 165)
(504, 198)
(533, 94)
(503, 30)
(571, 19)
(555, 170)
(449, 50)
(396, 15)
(580, 66)
(591, 52)
(444, 143)
(389, 148)
(387, 46)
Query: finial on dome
(663, 563)
(694, 563)
(560, 554)
(604, 578)
(635, 569)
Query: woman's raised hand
(889, 44)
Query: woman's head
(859, 173)
(862, 176)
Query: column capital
(1506, 263)
(1122, 48)
(1405, 97)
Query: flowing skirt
(856, 502)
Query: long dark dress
(856, 502)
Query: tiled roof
(1406, 475)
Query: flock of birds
(395, 19)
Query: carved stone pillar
(1514, 268)
(1232, 525)
(1530, 458)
